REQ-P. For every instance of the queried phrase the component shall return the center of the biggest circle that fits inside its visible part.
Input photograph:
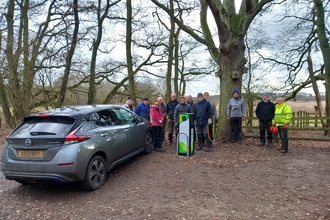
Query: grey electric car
(76, 143)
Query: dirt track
(231, 182)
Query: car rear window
(53, 125)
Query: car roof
(74, 111)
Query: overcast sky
(211, 82)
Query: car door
(135, 135)
(113, 136)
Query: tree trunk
(9, 120)
(232, 63)
(69, 56)
(325, 49)
(96, 44)
(129, 51)
(113, 92)
(315, 88)
(176, 61)
(170, 56)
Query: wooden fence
(301, 121)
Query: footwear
(170, 138)
(261, 144)
(270, 144)
(208, 143)
(233, 137)
(238, 136)
(279, 149)
(283, 151)
(200, 143)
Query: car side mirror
(140, 119)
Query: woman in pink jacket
(157, 120)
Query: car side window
(86, 128)
(102, 118)
(124, 116)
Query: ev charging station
(185, 137)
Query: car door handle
(126, 130)
(103, 134)
(114, 134)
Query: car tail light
(72, 138)
(65, 164)
(43, 115)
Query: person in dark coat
(203, 117)
(265, 112)
(215, 115)
(190, 101)
(182, 107)
(143, 109)
(170, 107)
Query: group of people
(161, 114)
(278, 115)
(269, 115)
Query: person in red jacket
(157, 121)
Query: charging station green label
(186, 139)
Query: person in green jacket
(283, 115)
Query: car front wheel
(95, 174)
(148, 143)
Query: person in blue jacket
(203, 118)
(143, 109)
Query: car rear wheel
(95, 174)
(148, 143)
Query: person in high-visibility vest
(282, 118)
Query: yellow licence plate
(30, 153)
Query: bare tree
(102, 14)
(231, 27)
(304, 36)
(69, 55)
(323, 37)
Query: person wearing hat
(143, 109)
(182, 107)
(203, 118)
(129, 104)
(282, 118)
(236, 114)
(265, 112)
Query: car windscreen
(58, 126)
